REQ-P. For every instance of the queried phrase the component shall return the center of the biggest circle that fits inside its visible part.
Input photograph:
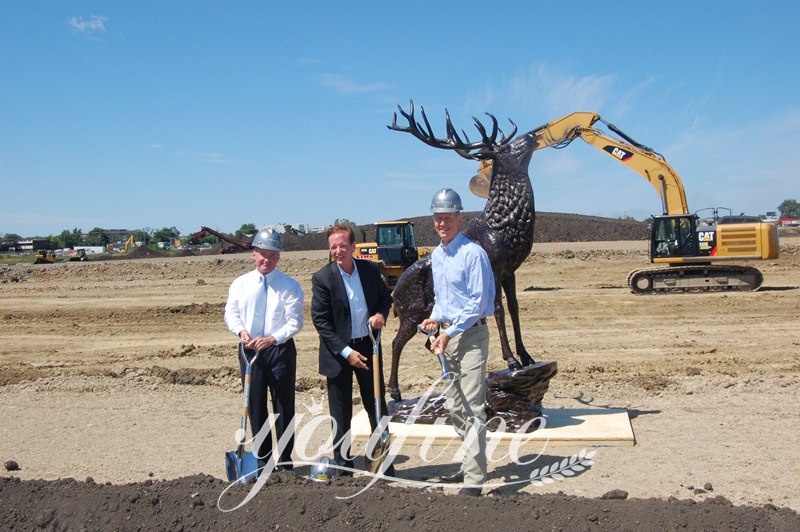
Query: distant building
(294, 228)
(24, 245)
(117, 234)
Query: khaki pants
(466, 356)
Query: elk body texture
(504, 229)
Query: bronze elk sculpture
(504, 229)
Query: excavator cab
(396, 246)
(673, 237)
(394, 249)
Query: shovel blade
(374, 459)
(241, 469)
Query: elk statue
(504, 229)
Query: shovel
(374, 459)
(446, 375)
(240, 465)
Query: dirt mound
(143, 252)
(550, 227)
(291, 501)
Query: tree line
(101, 237)
(789, 208)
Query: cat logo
(618, 153)
(705, 236)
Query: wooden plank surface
(563, 427)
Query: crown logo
(316, 407)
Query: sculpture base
(516, 396)
(564, 427)
(512, 396)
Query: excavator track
(705, 278)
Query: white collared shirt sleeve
(284, 307)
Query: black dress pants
(275, 371)
(340, 400)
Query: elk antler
(485, 146)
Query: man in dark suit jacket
(349, 296)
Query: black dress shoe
(344, 472)
(470, 492)
(458, 476)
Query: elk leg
(500, 318)
(510, 288)
(407, 329)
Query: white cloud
(546, 88)
(349, 86)
(212, 157)
(90, 28)
(748, 166)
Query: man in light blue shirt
(464, 291)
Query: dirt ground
(122, 376)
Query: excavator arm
(638, 157)
(237, 244)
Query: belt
(447, 324)
(363, 339)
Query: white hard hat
(446, 200)
(268, 238)
(321, 470)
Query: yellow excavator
(128, 245)
(692, 250)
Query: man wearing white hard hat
(265, 310)
(463, 286)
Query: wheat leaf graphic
(565, 468)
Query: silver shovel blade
(241, 469)
(375, 455)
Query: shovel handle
(376, 366)
(246, 402)
(446, 375)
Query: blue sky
(153, 114)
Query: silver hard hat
(321, 470)
(446, 200)
(268, 239)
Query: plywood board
(563, 427)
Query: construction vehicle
(78, 256)
(44, 256)
(128, 244)
(394, 249)
(691, 250)
(234, 245)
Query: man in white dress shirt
(265, 310)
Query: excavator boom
(235, 245)
(638, 157)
